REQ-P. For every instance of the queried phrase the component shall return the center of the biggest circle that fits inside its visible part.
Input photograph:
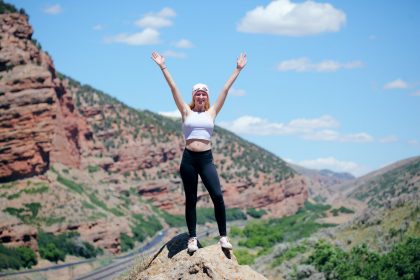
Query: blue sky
(328, 84)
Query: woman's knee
(218, 198)
(191, 200)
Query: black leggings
(192, 165)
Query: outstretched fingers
(241, 62)
(157, 58)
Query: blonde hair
(206, 106)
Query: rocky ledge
(173, 261)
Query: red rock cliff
(38, 123)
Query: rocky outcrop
(16, 234)
(38, 122)
(27, 98)
(174, 262)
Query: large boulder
(173, 261)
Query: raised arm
(160, 61)
(217, 106)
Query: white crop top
(198, 125)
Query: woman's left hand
(241, 62)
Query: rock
(174, 262)
(38, 123)
(15, 234)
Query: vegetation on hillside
(247, 161)
(399, 181)
(10, 8)
(402, 262)
(260, 236)
(55, 247)
(16, 258)
(360, 249)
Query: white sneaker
(224, 242)
(192, 244)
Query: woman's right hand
(160, 60)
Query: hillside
(149, 146)
(322, 183)
(393, 182)
(83, 169)
(387, 228)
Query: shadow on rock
(173, 261)
(175, 245)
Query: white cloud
(166, 12)
(53, 9)
(319, 129)
(332, 164)
(183, 44)
(237, 92)
(283, 17)
(146, 37)
(157, 20)
(416, 93)
(413, 142)
(388, 139)
(331, 135)
(98, 27)
(174, 54)
(172, 114)
(321, 122)
(396, 84)
(303, 64)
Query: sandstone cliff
(38, 124)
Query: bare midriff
(198, 145)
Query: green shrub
(233, 214)
(288, 254)
(342, 209)
(14, 196)
(70, 184)
(207, 215)
(27, 214)
(34, 208)
(41, 189)
(95, 200)
(52, 253)
(93, 168)
(53, 220)
(402, 262)
(15, 258)
(173, 220)
(235, 231)
(126, 242)
(6, 186)
(7, 8)
(143, 228)
(266, 233)
(86, 204)
(56, 247)
(256, 213)
(244, 257)
(116, 212)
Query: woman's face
(200, 99)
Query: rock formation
(38, 123)
(173, 261)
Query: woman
(197, 159)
